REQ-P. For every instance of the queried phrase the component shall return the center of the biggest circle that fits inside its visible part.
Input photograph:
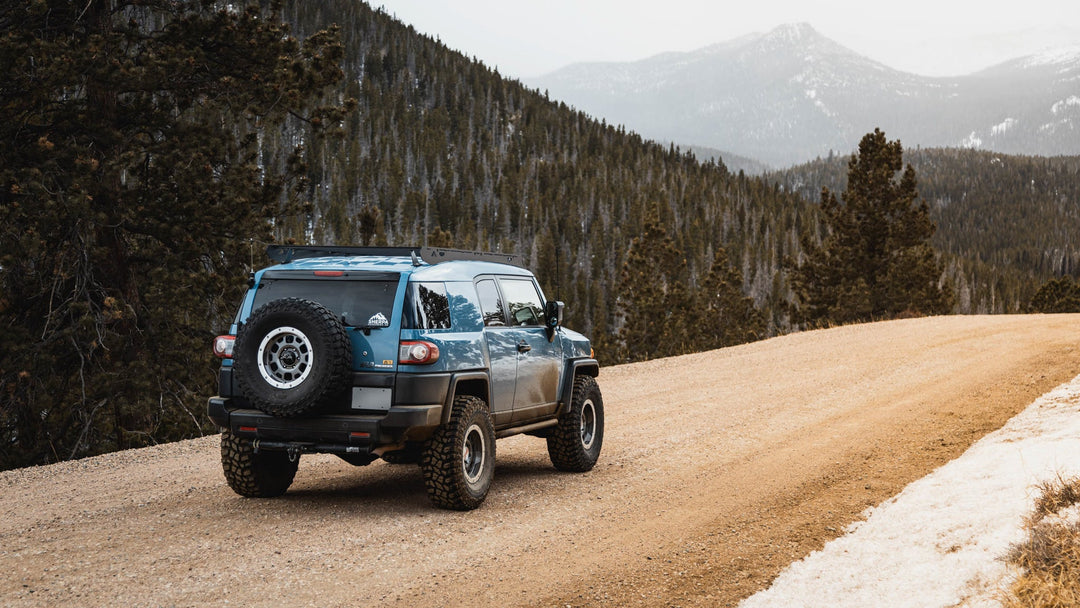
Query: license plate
(369, 398)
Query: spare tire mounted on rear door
(290, 356)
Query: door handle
(523, 347)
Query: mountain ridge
(791, 94)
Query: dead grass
(1049, 559)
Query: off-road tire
(458, 461)
(256, 475)
(574, 445)
(290, 356)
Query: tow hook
(294, 453)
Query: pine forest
(443, 151)
(1005, 224)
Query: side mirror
(553, 314)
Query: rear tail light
(223, 346)
(417, 352)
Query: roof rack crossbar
(284, 254)
(434, 255)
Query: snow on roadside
(940, 542)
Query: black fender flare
(480, 382)
(585, 367)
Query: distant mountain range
(792, 95)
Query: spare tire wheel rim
(473, 454)
(285, 357)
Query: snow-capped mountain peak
(792, 32)
(791, 94)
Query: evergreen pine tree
(723, 315)
(653, 297)
(130, 196)
(875, 261)
(1056, 296)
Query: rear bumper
(336, 433)
(408, 407)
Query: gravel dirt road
(718, 470)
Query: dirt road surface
(718, 470)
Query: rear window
(359, 302)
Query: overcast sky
(928, 37)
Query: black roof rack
(284, 254)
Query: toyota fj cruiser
(408, 354)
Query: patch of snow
(1072, 100)
(940, 541)
(811, 94)
(1003, 126)
(971, 141)
(1069, 516)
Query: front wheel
(459, 460)
(574, 445)
(255, 474)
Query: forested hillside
(443, 150)
(129, 193)
(1006, 224)
(156, 147)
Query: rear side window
(490, 303)
(360, 303)
(427, 306)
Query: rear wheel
(255, 474)
(574, 445)
(459, 460)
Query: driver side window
(523, 301)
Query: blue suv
(412, 355)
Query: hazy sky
(929, 37)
